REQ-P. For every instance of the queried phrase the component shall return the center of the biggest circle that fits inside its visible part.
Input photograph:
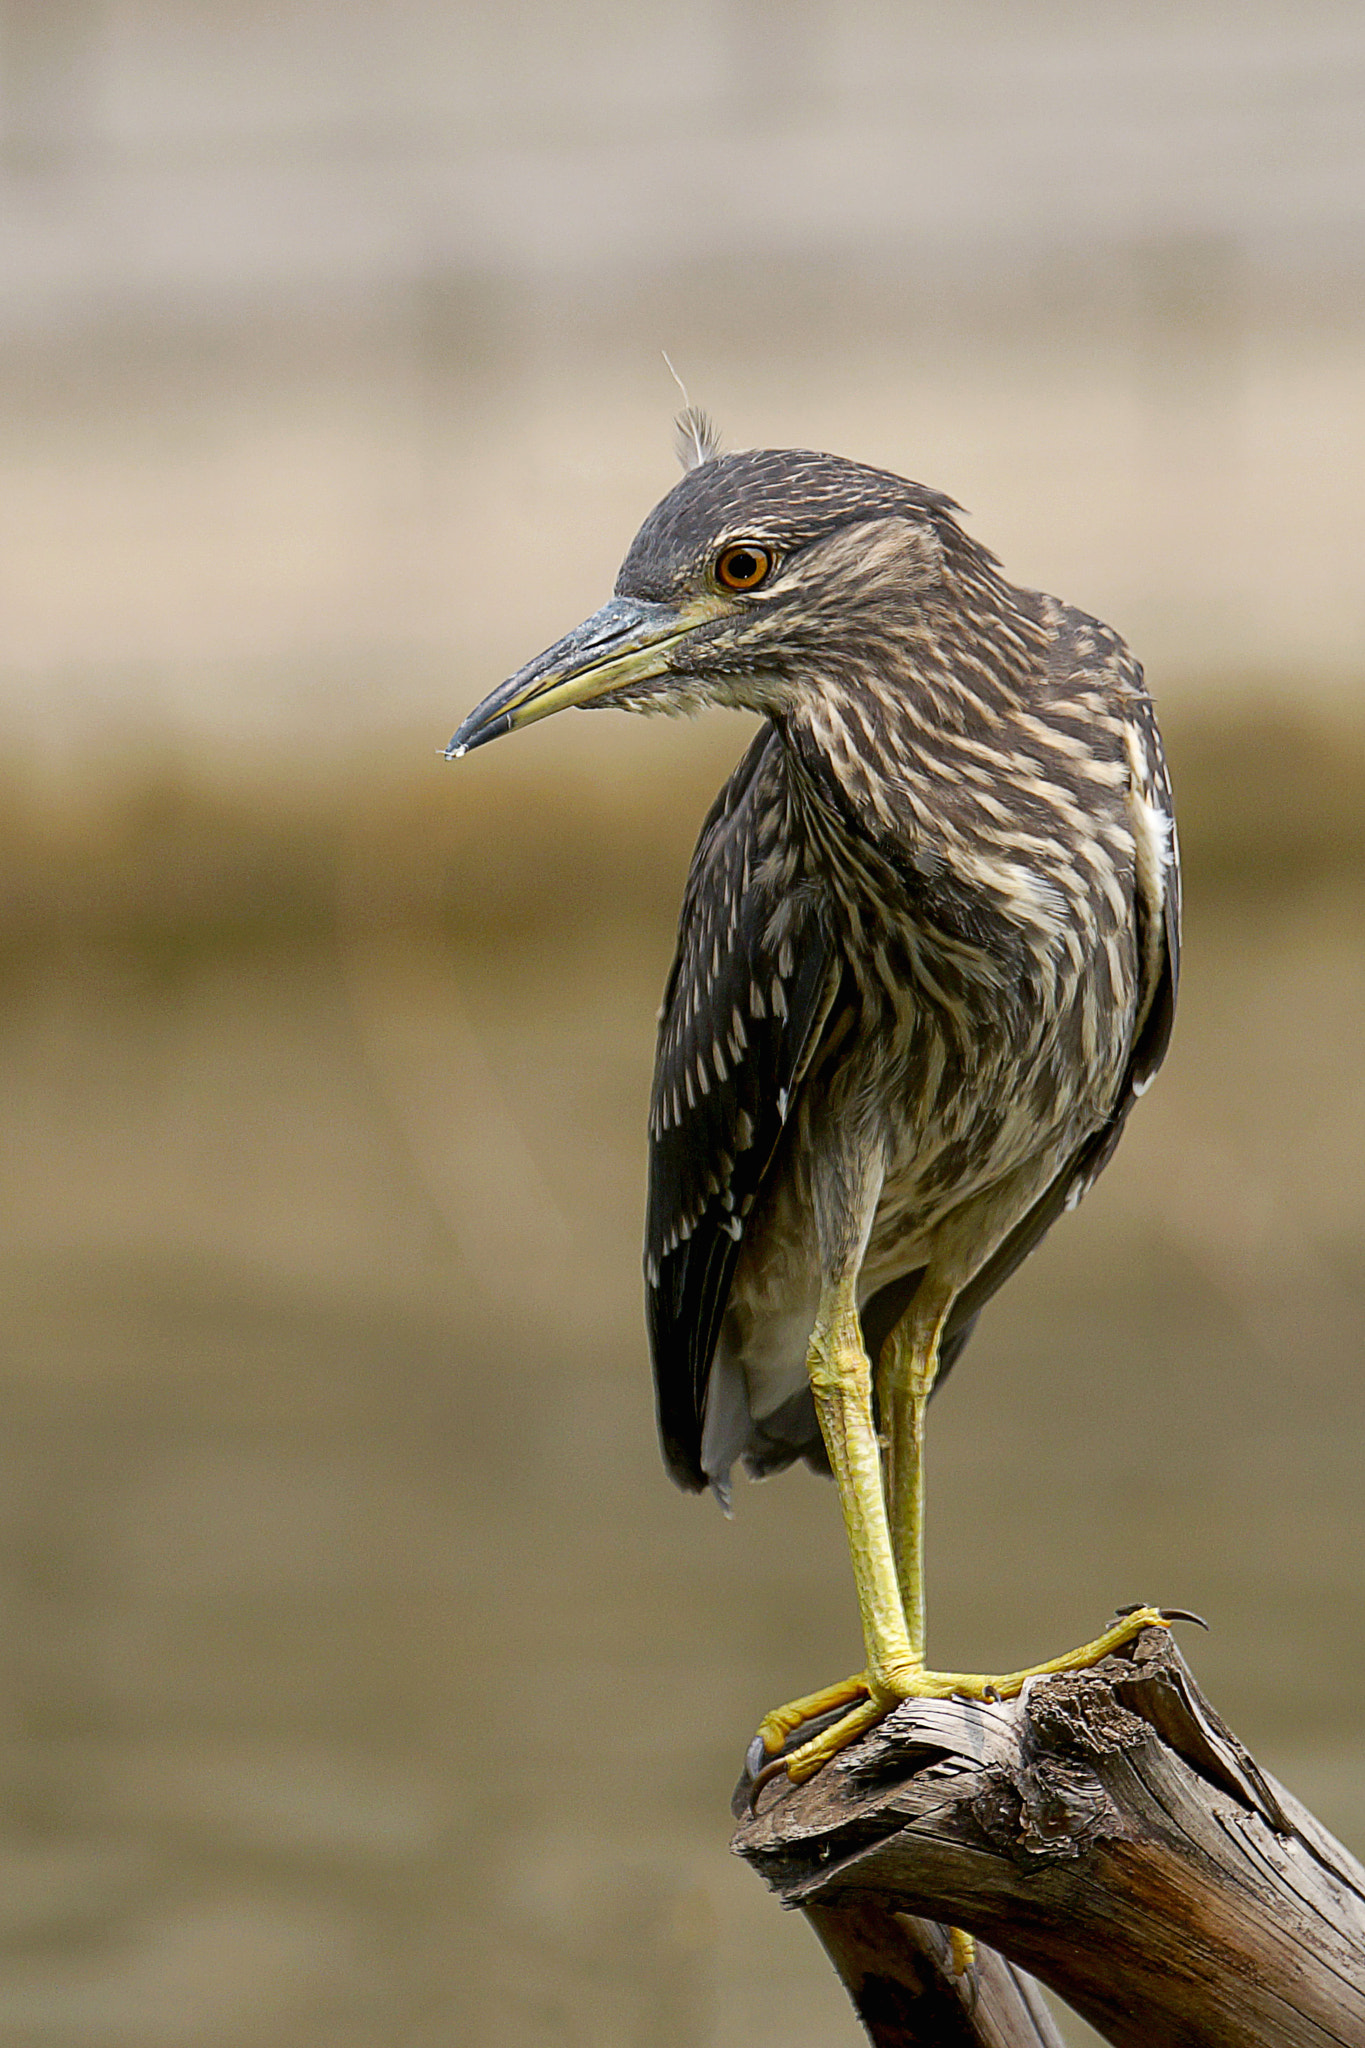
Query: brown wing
(750, 983)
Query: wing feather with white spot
(750, 985)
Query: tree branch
(1106, 1833)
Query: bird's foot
(871, 1696)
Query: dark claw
(1166, 1613)
(754, 1757)
(765, 1777)
(988, 1692)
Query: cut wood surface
(1105, 1833)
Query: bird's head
(760, 576)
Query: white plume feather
(696, 436)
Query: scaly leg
(841, 1380)
(888, 1551)
(909, 1367)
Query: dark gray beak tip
(476, 732)
(625, 635)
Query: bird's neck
(894, 791)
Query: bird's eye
(744, 565)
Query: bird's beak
(626, 642)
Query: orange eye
(744, 565)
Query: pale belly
(760, 1364)
(988, 1143)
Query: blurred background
(364, 1681)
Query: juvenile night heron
(926, 963)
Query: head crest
(696, 437)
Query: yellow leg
(841, 1381)
(909, 1367)
(888, 1551)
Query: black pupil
(742, 565)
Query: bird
(927, 960)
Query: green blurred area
(174, 852)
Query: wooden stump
(1105, 1833)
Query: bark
(1105, 1833)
